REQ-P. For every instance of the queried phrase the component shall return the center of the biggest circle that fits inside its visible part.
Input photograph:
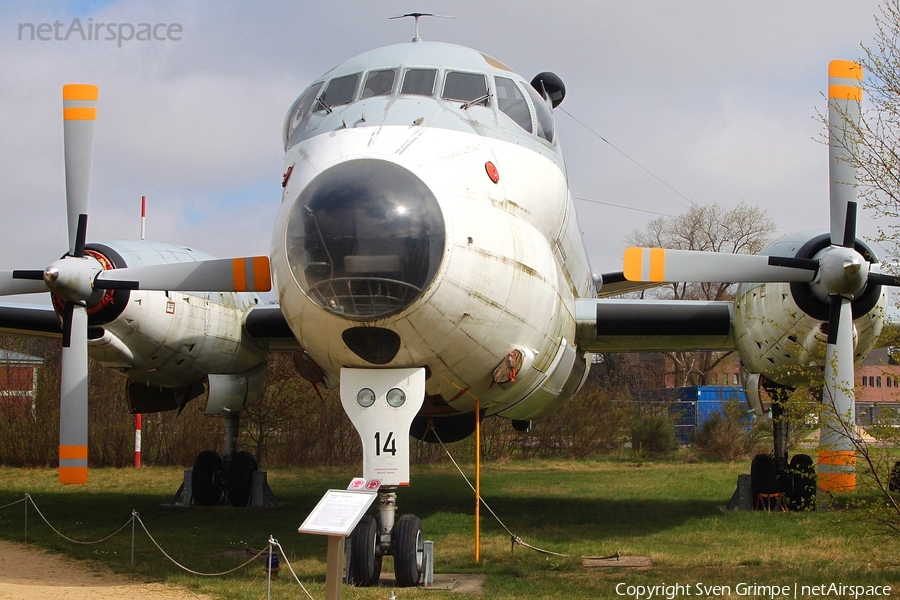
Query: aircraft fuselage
(426, 222)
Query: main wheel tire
(409, 551)
(763, 479)
(240, 478)
(365, 553)
(206, 477)
(803, 478)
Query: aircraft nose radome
(365, 238)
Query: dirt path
(29, 572)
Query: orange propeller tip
(846, 69)
(80, 91)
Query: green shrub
(727, 436)
(653, 434)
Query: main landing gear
(382, 403)
(230, 475)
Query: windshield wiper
(477, 100)
(324, 106)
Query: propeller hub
(843, 271)
(72, 279)
(852, 266)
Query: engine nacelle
(231, 393)
(143, 398)
(566, 375)
(781, 330)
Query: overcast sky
(717, 99)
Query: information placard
(338, 512)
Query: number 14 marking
(390, 444)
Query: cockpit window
(511, 101)
(465, 87)
(302, 107)
(339, 90)
(544, 116)
(379, 83)
(419, 82)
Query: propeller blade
(13, 282)
(837, 455)
(249, 274)
(80, 236)
(849, 240)
(883, 279)
(79, 117)
(73, 403)
(659, 265)
(844, 98)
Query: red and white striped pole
(137, 441)
(137, 417)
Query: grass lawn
(669, 511)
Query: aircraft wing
(266, 325)
(615, 284)
(31, 320)
(605, 325)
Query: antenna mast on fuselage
(416, 16)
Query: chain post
(134, 515)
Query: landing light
(365, 397)
(396, 397)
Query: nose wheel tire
(365, 553)
(409, 551)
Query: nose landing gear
(382, 403)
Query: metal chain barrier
(274, 542)
(136, 517)
(65, 537)
(25, 499)
(184, 568)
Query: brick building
(877, 384)
(18, 384)
(878, 387)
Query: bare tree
(877, 156)
(743, 229)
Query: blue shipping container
(690, 407)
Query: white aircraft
(428, 262)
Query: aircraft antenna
(416, 16)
